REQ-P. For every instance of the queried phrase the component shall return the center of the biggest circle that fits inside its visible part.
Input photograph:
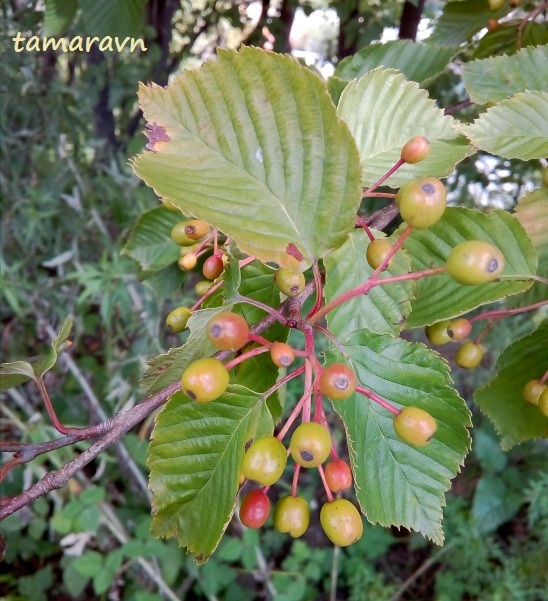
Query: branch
(410, 19)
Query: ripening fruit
(337, 381)
(282, 354)
(543, 402)
(376, 252)
(459, 328)
(415, 150)
(338, 475)
(202, 287)
(437, 333)
(177, 319)
(341, 522)
(196, 229)
(310, 444)
(469, 355)
(213, 267)
(475, 262)
(290, 283)
(178, 234)
(415, 426)
(492, 24)
(422, 202)
(532, 391)
(496, 4)
(205, 380)
(255, 509)
(292, 515)
(188, 262)
(265, 461)
(228, 331)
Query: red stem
(296, 472)
(206, 295)
(294, 414)
(544, 377)
(247, 355)
(380, 195)
(500, 313)
(384, 177)
(375, 397)
(360, 222)
(246, 261)
(327, 489)
(319, 289)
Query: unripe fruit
(178, 234)
(376, 252)
(532, 391)
(290, 283)
(469, 355)
(213, 267)
(459, 328)
(341, 522)
(188, 262)
(202, 287)
(475, 262)
(338, 475)
(265, 460)
(178, 318)
(415, 426)
(310, 444)
(282, 354)
(205, 380)
(422, 202)
(543, 402)
(337, 381)
(415, 150)
(196, 229)
(255, 509)
(437, 333)
(492, 24)
(292, 515)
(228, 331)
(496, 4)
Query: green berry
(532, 391)
(178, 318)
(265, 461)
(202, 287)
(178, 234)
(496, 4)
(310, 444)
(377, 251)
(543, 402)
(205, 380)
(290, 283)
(341, 522)
(469, 355)
(437, 333)
(475, 262)
(422, 202)
(415, 426)
(292, 515)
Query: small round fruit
(475, 262)
(459, 328)
(469, 355)
(213, 267)
(310, 444)
(178, 234)
(496, 4)
(196, 229)
(188, 262)
(415, 426)
(338, 475)
(228, 331)
(543, 402)
(265, 460)
(291, 515)
(415, 150)
(422, 202)
(492, 24)
(337, 381)
(205, 380)
(376, 252)
(177, 319)
(532, 391)
(202, 287)
(282, 354)
(341, 522)
(255, 509)
(290, 283)
(437, 333)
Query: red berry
(213, 267)
(415, 150)
(228, 331)
(255, 509)
(338, 475)
(282, 354)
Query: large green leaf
(119, 18)
(516, 128)
(384, 111)
(502, 399)
(150, 241)
(497, 78)
(58, 16)
(398, 484)
(251, 143)
(440, 297)
(383, 309)
(504, 39)
(418, 62)
(194, 458)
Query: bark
(410, 19)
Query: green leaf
(166, 368)
(502, 398)
(107, 18)
(251, 142)
(497, 78)
(89, 564)
(166, 281)
(13, 374)
(382, 310)
(418, 62)
(504, 40)
(335, 86)
(516, 128)
(58, 16)
(194, 459)
(461, 20)
(440, 297)
(46, 363)
(494, 503)
(400, 111)
(398, 484)
(150, 242)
